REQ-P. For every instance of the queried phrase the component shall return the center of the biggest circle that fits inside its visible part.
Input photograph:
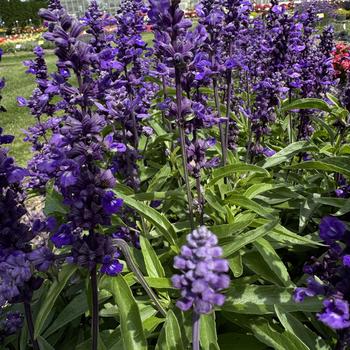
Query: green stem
(217, 106)
(95, 309)
(228, 99)
(250, 132)
(221, 129)
(290, 121)
(200, 200)
(183, 144)
(133, 118)
(290, 127)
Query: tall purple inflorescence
(315, 74)
(328, 277)
(204, 273)
(17, 268)
(11, 324)
(2, 85)
(130, 103)
(72, 153)
(96, 21)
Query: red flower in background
(341, 60)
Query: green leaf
(153, 265)
(330, 201)
(334, 99)
(44, 344)
(101, 345)
(294, 326)
(325, 126)
(244, 202)
(273, 260)
(235, 168)
(334, 165)
(287, 153)
(23, 340)
(253, 261)
(53, 202)
(256, 189)
(306, 210)
(283, 235)
(87, 344)
(306, 103)
(159, 179)
(130, 321)
(236, 265)
(208, 337)
(153, 216)
(171, 338)
(151, 324)
(344, 209)
(240, 341)
(240, 224)
(74, 309)
(286, 341)
(56, 288)
(260, 300)
(214, 201)
(159, 283)
(77, 307)
(150, 196)
(248, 237)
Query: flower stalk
(195, 330)
(183, 144)
(221, 129)
(30, 324)
(95, 309)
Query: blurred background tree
(17, 13)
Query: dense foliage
(14, 13)
(195, 191)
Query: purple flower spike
(22, 102)
(335, 314)
(12, 323)
(42, 258)
(332, 229)
(110, 203)
(346, 260)
(110, 266)
(5, 139)
(204, 273)
(63, 236)
(114, 146)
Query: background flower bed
(23, 42)
(145, 129)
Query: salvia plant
(187, 187)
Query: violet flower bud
(336, 313)
(12, 323)
(63, 236)
(332, 229)
(110, 203)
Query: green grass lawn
(18, 83)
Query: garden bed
(193, 179)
